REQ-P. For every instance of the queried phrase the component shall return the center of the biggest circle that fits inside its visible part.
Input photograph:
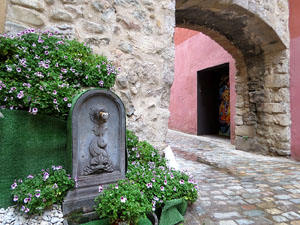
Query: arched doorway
(262, 78)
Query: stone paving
(236, 187)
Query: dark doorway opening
(213, 112)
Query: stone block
(243, 143)
(33, 4)
(273, 108)
(13, 28)
(26, 16)
(239, 120)
(93, 27)
(247, 131)
(277, 81)
(61, 16)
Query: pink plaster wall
(194, 53)
(295, 77)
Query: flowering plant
(41, 72)
(158, 182)
(122, 202)
(40, 191)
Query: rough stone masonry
(138, 36)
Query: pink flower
(165, 182)
(149, 185)
(181, 181)
(101, 83)
(14, 185)
(117, 186)
(69, 105)
(100, 188)
(54, 92)
(34, 111)
(123, 199)
(16, 198)
(55, 101)
(174, 189)
(27, 210)
(54, 186)
(65, 99)
(46, 176)
(37, 195)
(29, 176)
(162, 188)
(27, 200)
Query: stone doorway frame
(262, 60)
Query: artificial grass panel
(173, 212)
(28, 144)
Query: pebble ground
(237, 187)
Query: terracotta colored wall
(295, 77)
(194, 51)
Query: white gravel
(11, 216)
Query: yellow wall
(2, 14)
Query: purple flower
(33, 45)
(46, 53)
(101, 83)
(41, 88)
(40, 40)
(123, 199)
(171, 176)
(9, 69)
(65, 99)
(38, 194)
(20, 181)
(100, 188)
(27, 210)
(56, 64)
(165, 182)
(19, 70)
(46, 66)
(181, 181)
(162, 188)
(190, 181)
(23, 208)
(20, 95)
(13, 88)
(65, 57)
(34, 111)
(46, 176)
(16, 198)
(14, 185)
(153, 179)
(55, 101)
(27, 200)
(69, 105)
(54, 92)
(64, 70)
(86, 77)
(174, 189)
(29, 176)
(54, 186)
(116, 186)
(149, 185)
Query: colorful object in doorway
(224, 108)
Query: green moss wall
(28, 144)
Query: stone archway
(258, 40)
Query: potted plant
(122, 203)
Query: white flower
(123, 199)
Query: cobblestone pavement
(236, 187)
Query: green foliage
(41, 72)
(151, 181)
(158, 182)
(40, 191)
(122, 201)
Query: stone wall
(137, 35)
(255, 33)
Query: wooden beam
(3, 5)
